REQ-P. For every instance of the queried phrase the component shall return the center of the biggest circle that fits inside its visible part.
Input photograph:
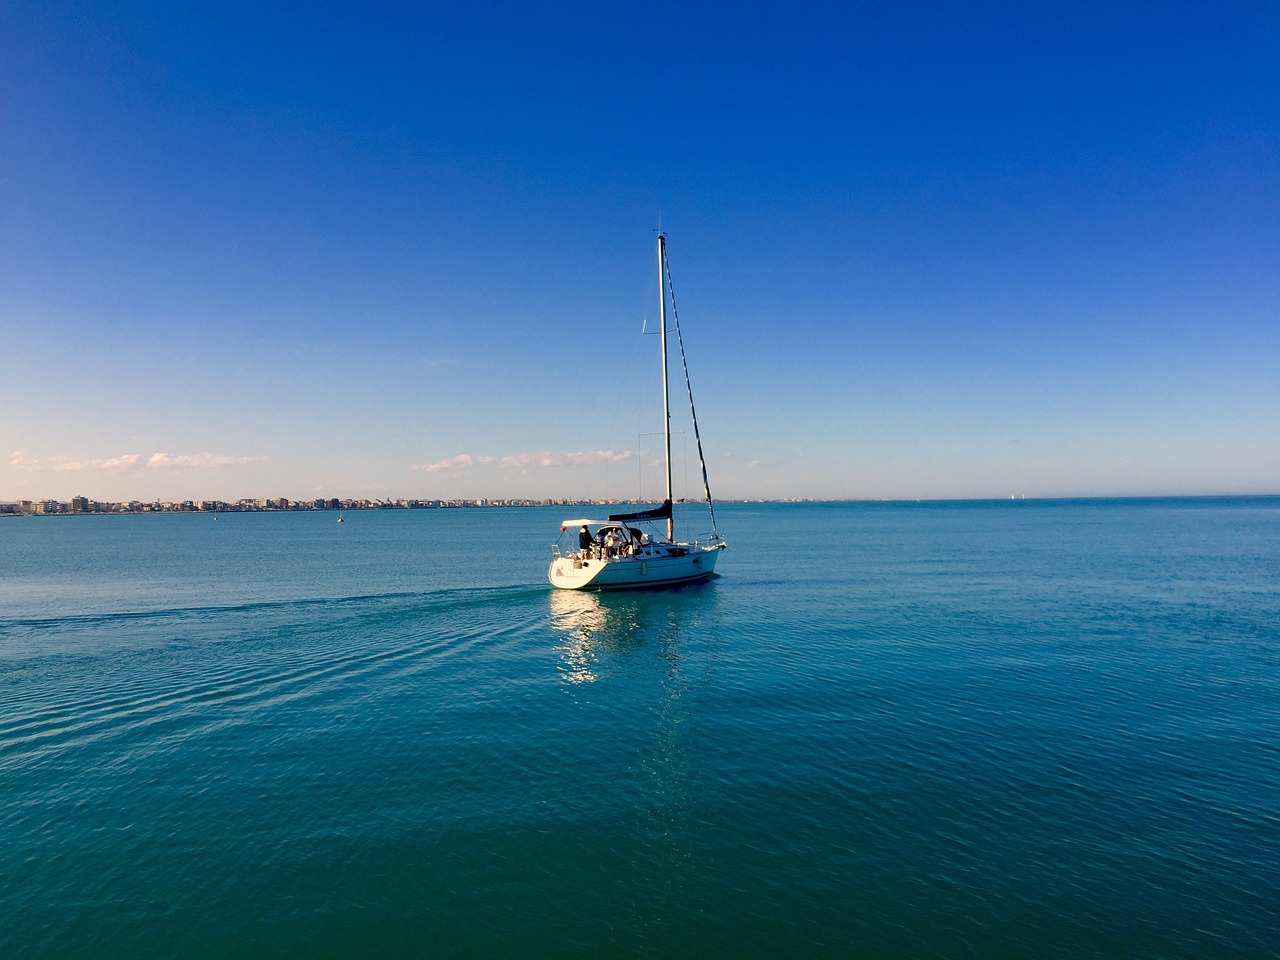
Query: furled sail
(657, 513)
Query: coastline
(42, 508)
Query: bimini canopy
(573, 524)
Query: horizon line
(289, 505)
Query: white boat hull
(663, 567)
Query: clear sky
(407, 250)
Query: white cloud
(527, 462)
(431, 363)
(461, 462)
(125, 462)
(198, 461)
(20, 461)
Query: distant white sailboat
(624, 551)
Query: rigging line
(675, 315)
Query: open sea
(984, 729)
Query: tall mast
(666, 405)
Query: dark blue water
(888, 730)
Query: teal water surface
(887, 730)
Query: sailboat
(631, 551)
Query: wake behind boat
(626, 551)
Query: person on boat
(611, 544)
(584, 540)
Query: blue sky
(918, 250)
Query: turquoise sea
(1014, 729)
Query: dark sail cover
(657, 513)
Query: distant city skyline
(86, 505)
(918, 252)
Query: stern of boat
(572, 572)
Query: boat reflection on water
(611, 633)
(593, 625)
(650, 661)
(576, 612)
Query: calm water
(992, 730)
